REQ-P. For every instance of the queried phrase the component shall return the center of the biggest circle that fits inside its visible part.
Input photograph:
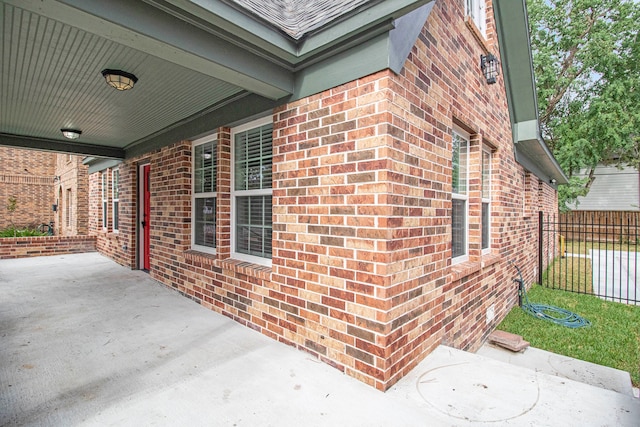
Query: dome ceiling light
(71, 133)
(120, 80)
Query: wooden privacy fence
(600, 226)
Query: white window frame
(464, 197)
(69, 206)
(202, 195)
(234, 194)
(525, 185)
(486, 198)
(105, 200)
(476, 10)
(115, 199)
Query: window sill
(477, 34)
(250, 269)
(464, 269)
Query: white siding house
(613, 189)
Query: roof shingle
(299, 17)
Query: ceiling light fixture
(120, 80)
(71, 133)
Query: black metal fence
(591, 252)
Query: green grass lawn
(570, 273)
(575, 272)
(612, 340)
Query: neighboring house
(612, 189)
(339, 176)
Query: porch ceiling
(200, 64)
(51, 80)
(52, 56)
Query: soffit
(198, 68)
(51, 79)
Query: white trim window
(476, 10)
(460, 198)
(251, 191)
(204, 213)
(69, 206)
(105, 201)
(486, 200)
(115, 200)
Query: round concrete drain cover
(472, 392)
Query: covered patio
(88, 342)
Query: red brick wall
(28, 176)
(119, 245)
(73, 179)
(361, 274)
(24, 247)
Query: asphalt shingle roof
(299, 17)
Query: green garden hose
(550, 313)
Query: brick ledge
(464, 269)
(192, 255)
(244, 267)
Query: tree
(586, 56)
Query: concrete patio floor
(87, 342)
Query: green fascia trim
(58, 146)
(220, 18)
(360, 22)
(228, 44)
(242, 29)
(526, 131)
(234, 111)
(388, 50)
(382, 28)
(517, 62)
(534, 155)
(364, 59)
(387, 47)
(533, 166)
(98, 165)
(512, 27)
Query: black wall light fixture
(490, 67)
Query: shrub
(24, 232)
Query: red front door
(145, 225)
